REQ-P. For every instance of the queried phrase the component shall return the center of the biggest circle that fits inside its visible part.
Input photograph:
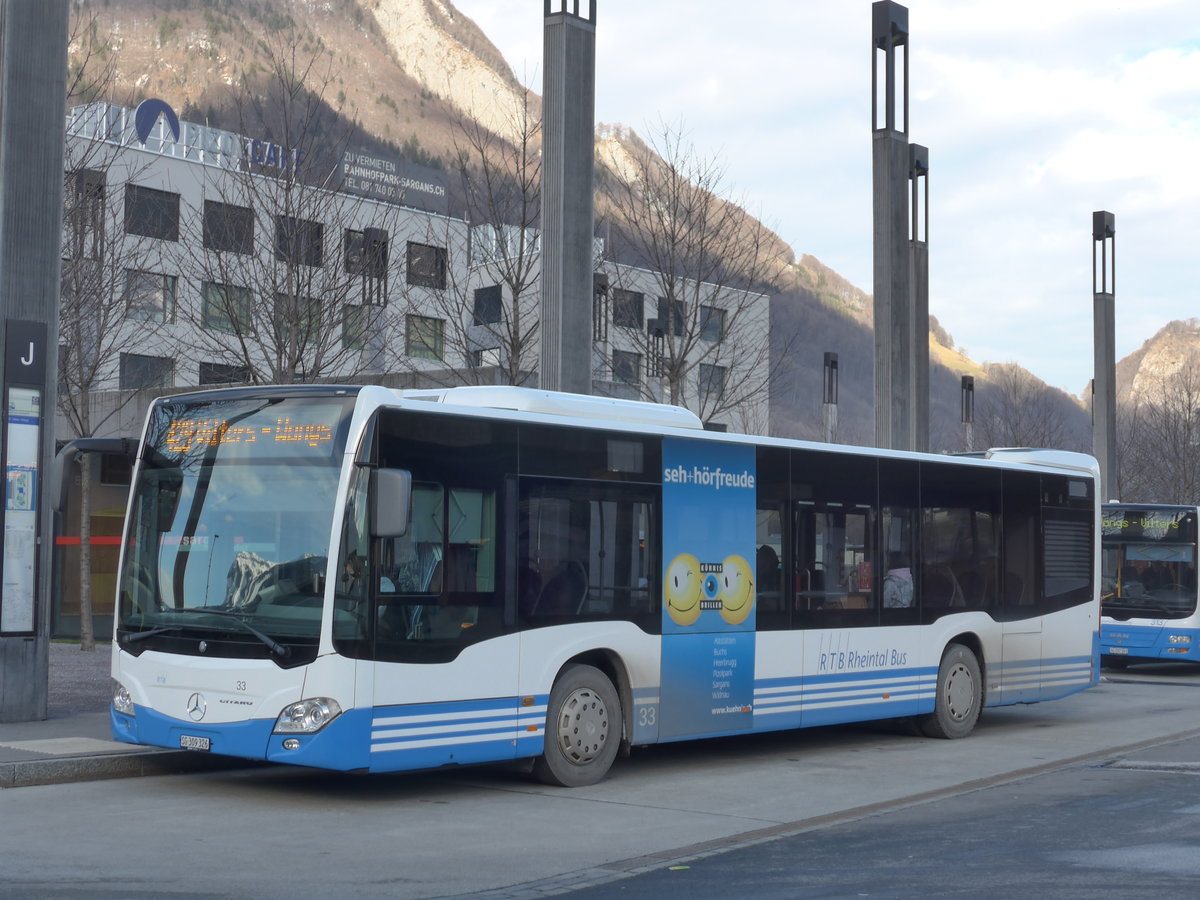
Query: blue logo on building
(146, 115)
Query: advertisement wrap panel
(709, 578)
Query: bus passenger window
(586, 551)
(836, 562)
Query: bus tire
(959, 696)
(583, 729)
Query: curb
(96, 767)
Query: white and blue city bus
(1148, 584)
(373, 580)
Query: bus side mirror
(391, 502)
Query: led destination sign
(185, 436)
(255, 430)
(1148, 524)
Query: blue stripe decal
(875, 675)
(843, 697)
(426, 735)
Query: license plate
(191, 742)
(1119, 651)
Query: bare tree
(293, 274)
(114, 292)
(705, 340)
(1160, 440)
(1014, 408)
(490, 304)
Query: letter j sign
(24, 352)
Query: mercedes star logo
(196, 707)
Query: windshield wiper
(273, 645)
(149, 633)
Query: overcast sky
(1035, 112)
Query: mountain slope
(406, 72)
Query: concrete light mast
(33, 66)
(901, 194)
(1104, 381)
(568, 167)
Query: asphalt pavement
(74, 742)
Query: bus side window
(587, 551)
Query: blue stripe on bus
(1028, 681)
(829, 699)
(427, 735)
(870, 675)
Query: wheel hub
(583, 726)
(960, 693)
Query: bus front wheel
(583, 729)
(959, 696)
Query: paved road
(1126, 828)
(867, 801)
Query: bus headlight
(307, 716)
(121, 700)
(1179, 639)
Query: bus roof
(559, 403)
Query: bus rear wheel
(959, 696)
(583, 729)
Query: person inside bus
(1131, 583)
(768, 568)
(1158, 576)
(564, 591)
(897, 583)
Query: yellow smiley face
(683, 589)
(737, 590)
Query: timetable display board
(22, 432)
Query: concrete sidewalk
(74, 743)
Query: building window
(228, 228)
(220, 373)
(712, 323)
(671, 316)
(149, 296)
(85, 218)
(628, 308)
(142, 372)
(299, 241)
(426, 337)
(366, 252)
(477, 359)
(712, 381)
(353, 328)
(487, 305)
(151, 213)
(627, 367)
(225, 307)
(426, 266)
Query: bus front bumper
(340, 745)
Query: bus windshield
(1149, 563)
(228, 536)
